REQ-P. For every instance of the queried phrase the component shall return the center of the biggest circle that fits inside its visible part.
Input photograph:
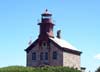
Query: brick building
(50, 50)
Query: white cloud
(97, 56)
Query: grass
(37, 69)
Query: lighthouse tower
(46, 27)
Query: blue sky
(79, 21)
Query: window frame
(41, 55)
(55, 55)
(34, 56)
(46, 56)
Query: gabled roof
(65, 46)
(63, 43)
(31, 46)
(60, 43)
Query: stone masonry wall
(31, 62)
(63, 59)
(71, 60)
(50, 61)
(59, 61)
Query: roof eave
(72, 51)
(67, 49)
(31, 46)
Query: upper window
(34, 56)
(44, 44)
(54, 55)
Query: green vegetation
(37, 69)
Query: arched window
(54, 55)
(44, 44)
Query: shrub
(37, 69)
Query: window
(44, 44)
(54, 55)
(41, 56)
(34, 56)
(46, 55)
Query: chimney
(58, 34)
